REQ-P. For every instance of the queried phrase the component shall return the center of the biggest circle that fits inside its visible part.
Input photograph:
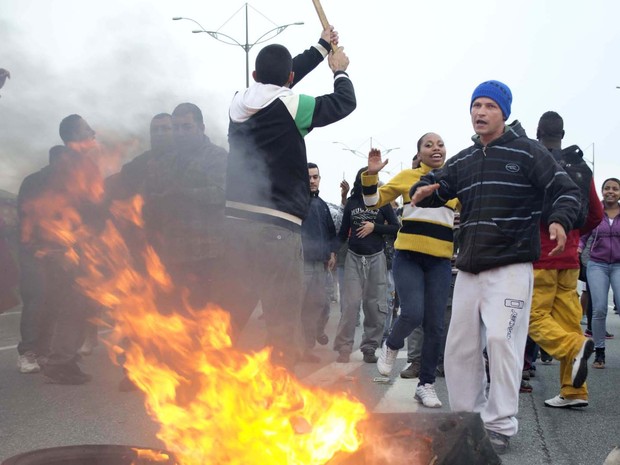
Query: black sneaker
(370, 357)
(545, 357)
(322, 339)
(65, 374)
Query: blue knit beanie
(497, 91)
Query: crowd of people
(247, 225)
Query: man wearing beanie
(501, 181)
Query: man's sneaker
(343, 357)
(426, 395)
(599, 362)
(370, 357)
(525, 387)
(412, 371)
(580, 364)
(525, 375)
(27, 363)
(561, 402)
(545, 357)
(499, 441)
(608, 335)
(587, 333)
(65, 374)
(322, 339)
(387, 357)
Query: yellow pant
(555, 323)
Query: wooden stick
(323, 18)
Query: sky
(414, 66)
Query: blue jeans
(600, 277)
(423, 285)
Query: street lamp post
(247, 46)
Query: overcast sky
(414, 66)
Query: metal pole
(247, 50)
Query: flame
(151, 455)
(214, 403)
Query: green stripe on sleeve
(305, 111)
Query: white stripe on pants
(490, 309)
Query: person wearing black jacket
(318, 236)
(267, 195)
(501, 181)
(365, 273)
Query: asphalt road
(36, 415)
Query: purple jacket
(606, 241)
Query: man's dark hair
(56, 152)
(183, 109)
(69, 128)
(273, 65)
(312, 165)
(550, 126)
(163, 115)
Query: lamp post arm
(265, 37)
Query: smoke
(117, 82)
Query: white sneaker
(387, 357)
(426, 395)
(561, 402)
(27, 363)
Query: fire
(214, 403)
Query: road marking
(399, 397)
(9, 347)
(11, 313)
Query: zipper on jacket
(471, 255)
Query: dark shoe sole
(575, 405)
(582, 371)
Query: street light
(362, 154)
(247, 46)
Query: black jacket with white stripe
(501, 187)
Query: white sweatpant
(490, 309)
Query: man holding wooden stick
(267, 187)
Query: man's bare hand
(375, 164)
(344, 190)
(557, 233)
(331, 263)
(330, 35)
(337, 60)
(423, 192)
